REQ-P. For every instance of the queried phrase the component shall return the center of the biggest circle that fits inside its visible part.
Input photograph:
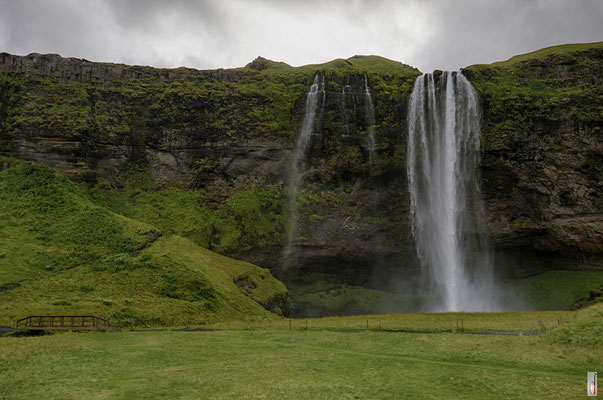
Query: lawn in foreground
(293, 364)
(452, 322)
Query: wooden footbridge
(68, 322)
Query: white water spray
(447, 212)
(296, 169)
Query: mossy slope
(62, 254)
(585, 330)
(556, 290)
(240, 220)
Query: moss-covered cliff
(222, 141)
(542, 164)
(205, 154)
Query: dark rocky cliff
(542, 164)
(227, 132)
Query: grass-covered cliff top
(52, 64)
(61, 254)
(559, 50)
(47, 94)
(358, 64)
(42, 95)
(534, 93)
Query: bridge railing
(67, 322)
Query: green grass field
(427, 322)
(272, 363)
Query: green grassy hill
(559, 50)
(62, 254)
(559, 290)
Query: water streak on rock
(315, 93)
(369, 112)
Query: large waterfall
(296, 170)
(447, 212)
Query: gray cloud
(487, 31)
(227, 33)
(65, 27)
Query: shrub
(86, 289)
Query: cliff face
(229, 134)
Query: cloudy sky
(428, 34)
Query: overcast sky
(428, 34)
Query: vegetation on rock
(533, 93)
(63, 254)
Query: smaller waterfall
(344, 93)
(348, 106)
(296, 170)
(369, 112)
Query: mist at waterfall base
(447, 212)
